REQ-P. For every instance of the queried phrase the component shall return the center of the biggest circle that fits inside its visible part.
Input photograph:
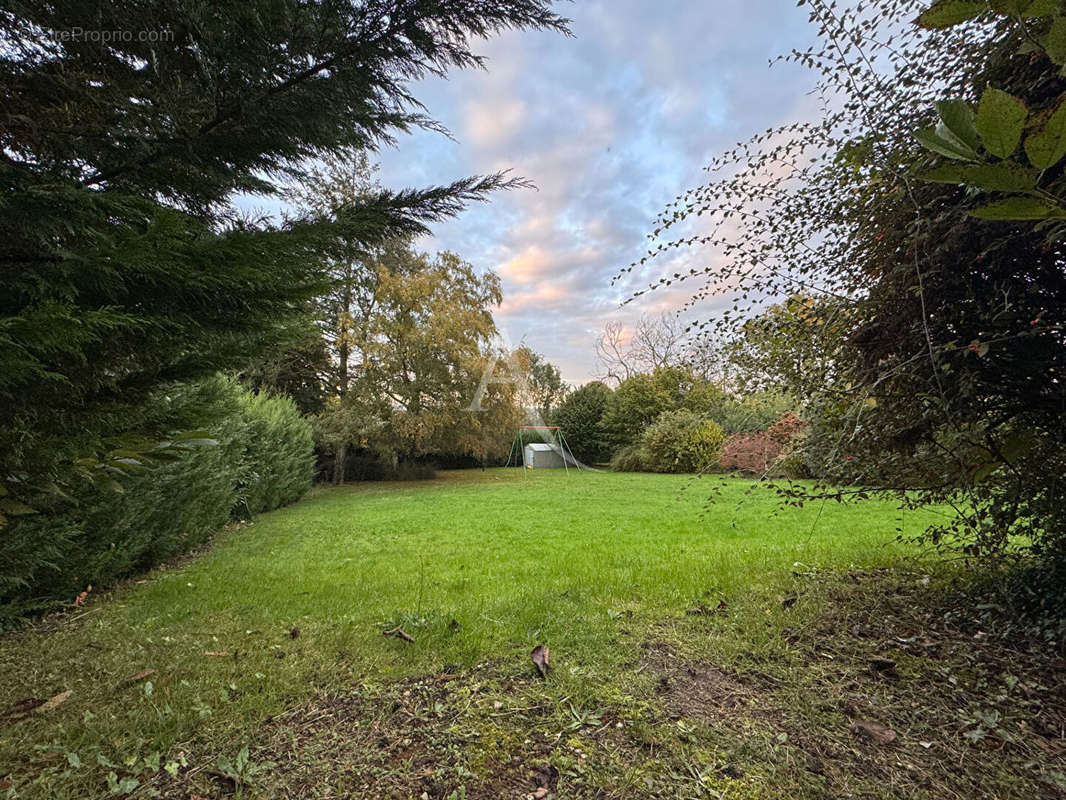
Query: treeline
(673, 420)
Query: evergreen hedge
(262, 458)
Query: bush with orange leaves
(768, 452)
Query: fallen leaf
(541, 792)
(144, 673)
(399, 633)
(541, 659)
(55, 702)
(874, 731)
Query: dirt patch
(421, 738)
(697, 690)
(521, 776)
(703, 692)
(908, 689)
(389, 744)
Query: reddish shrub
(760, 452)
(785, 428)
(750, 452)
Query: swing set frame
(556, 439)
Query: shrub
(639, 400)
(631, 458)
(682, 441)
(792, 462)
(753, 412)
(678, 441)
(262, 459)
(277, 463)
(750, 452)
(777, 451)
(786, 429)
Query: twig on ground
(399, 633)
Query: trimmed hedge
(263, 459)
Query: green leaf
(1000, 120)
(199, 442)
(958, 118)
(1018, 209)
(193, 435)
(126, 465)
(108, 484)
(1055, 40)
(1047, 146)
(14, 508)
(951, 147)
(1001, 177)
(946, 13)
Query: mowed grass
(478, 567)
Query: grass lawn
(699, 649)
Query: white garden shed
(544, 456)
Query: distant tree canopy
(125, 264)
(545, 384)
(406, 337)
(639, 400)
(580, 416)
(917, 228)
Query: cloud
(610, 126)
(490, 126)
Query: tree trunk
(338, 464)
(342, 371)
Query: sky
(610, 126)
